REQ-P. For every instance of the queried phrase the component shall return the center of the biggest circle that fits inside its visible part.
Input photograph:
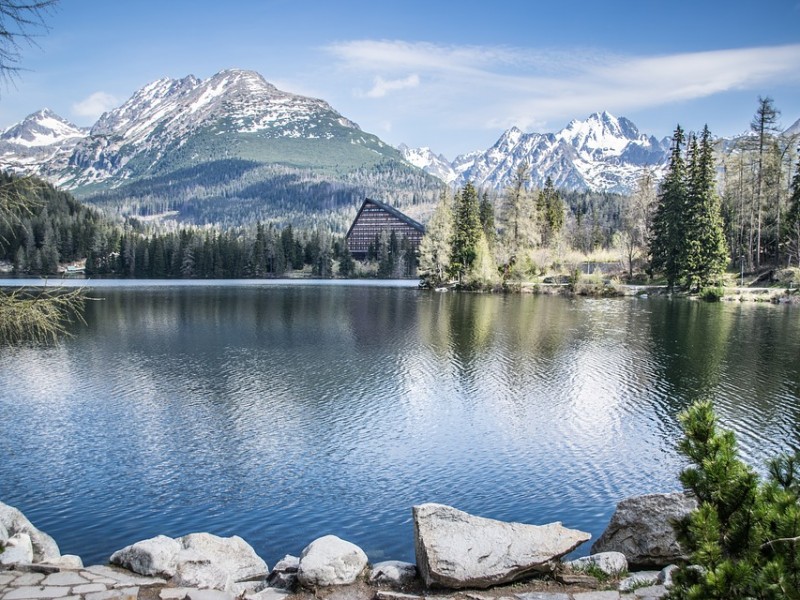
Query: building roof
(392, 211)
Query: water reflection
(283, 413)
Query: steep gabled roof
(392, 211)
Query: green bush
(712, 294)
(745, 532)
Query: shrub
(745, 532)
(712, 294)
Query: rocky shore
(458, 557)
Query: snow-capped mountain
(229, 149)
(793, 130)
(435, 164)
(169, 115)
(601, 153)
(40, 140)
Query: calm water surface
(285, 412)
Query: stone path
(107, 583)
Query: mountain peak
(42, 128)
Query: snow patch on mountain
(435, 164)
(600, 153)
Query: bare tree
(39, 316)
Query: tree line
(687, 229)
(51, 228)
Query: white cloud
(495, 86)
(383, 86)
(95, 105)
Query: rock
(638, 579)
(197, 571)
(18, 550)
(198, 560)
(232, 555)
(578, 579)
(542, 596)
(330, 560)
(650, 592)
(267, 594)
(387, 595)
(610, 563)
(609, 595)
(152, 557)
(641, 528)
(393, 572)
(665, 576)
(457, 550)
(14, 522)
(173, 593)
(284, 573)
(67, 561)
(209, 595)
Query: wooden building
(374, 217)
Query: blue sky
(452, 76)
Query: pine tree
(793, 218)
(551, 212)
(745, 535)
(466, 231)
(667, 234)
(486, 211)
(705, 249)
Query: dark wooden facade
(374, 217)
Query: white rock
(393, 572)
(67, 561)
(641, 528)
(153, 557)
(638, 579)
(284, 573)
(267, 594)
(457, 550)
(196, 571)
(199, 560)
(14, 522)
(232, 555)
(610, 563)
(18, 550)
(665, 576)
(330, 560)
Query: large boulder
(154, 557)
(199, 560)
(458, 550)
(641, 528)
(233, 555)
(13, 522)
(330, 560)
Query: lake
(284, 411)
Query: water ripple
(283, 413)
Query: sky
(451, 76)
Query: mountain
(793, 130)
(229, 149)
(435, 164)
(601, 153)
(39, 142)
